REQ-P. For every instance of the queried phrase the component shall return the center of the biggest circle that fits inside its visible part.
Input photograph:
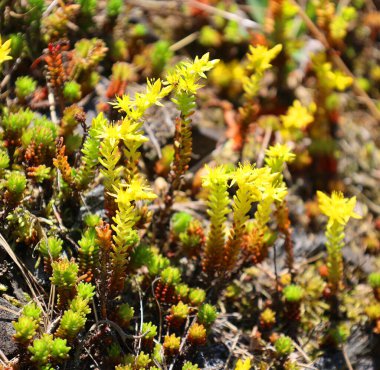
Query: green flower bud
(160, 56)
(114, 7)
(92, 220)
(59, 349)
(32, 310)
(72, 91)
(374, 280)
(293, 293)
(180, 222)
(142, 360)
(125, 314)
(189, 366)
(41, 348)
(197, 296)
(51, 248)
(284, 346)
(182, 290)
(157, 264)
(171, 276)
(71, 324)
(139, 30)
(80, 305)
(17, 44)
(16, 183)
(65, 273)
(25, 86)
(150, 328)
(85, 290)
(4, 160)
(25, 329)
(207, 314)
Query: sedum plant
(26, 328)
(24, 87)
(262, 185)
(374, 282)
(45, 350)
(50, 250)
(171, 344)
(64, 277)
(207, 315)
(128, 268)
(71, 91)
(216, 182)
(183, 82)
(178, 314)
(338, 210)
(284, 346)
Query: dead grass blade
(35, 288)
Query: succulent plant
(197, 334)
(72, 91)
(284, 346)
(125, 314)
(207, 315)
(25, 86)
(171, 344)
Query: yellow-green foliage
(184, 83)
(64, 273)
(216, 182)
(259, 59)
(130, 131)
(339, 210)
(51, 248)
(252, 183)
(46, 349)
(90, 153)
(110, 156)
(71, 324)
(262, 185)
(124, 221)
(25, 328)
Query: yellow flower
(122, 103)
(277, 155)
(5, 49)
(215, 174)
(337, 208)
(277, 193)
(201, 65)
(254, 180)
(246, 365)
(260, 57)
(297, 117)
(329, 78)
(185, 77)
(342, 81)
(136, 190)
(110, 132)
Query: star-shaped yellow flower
(337, 208)
(297, 116)
(5, 49)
